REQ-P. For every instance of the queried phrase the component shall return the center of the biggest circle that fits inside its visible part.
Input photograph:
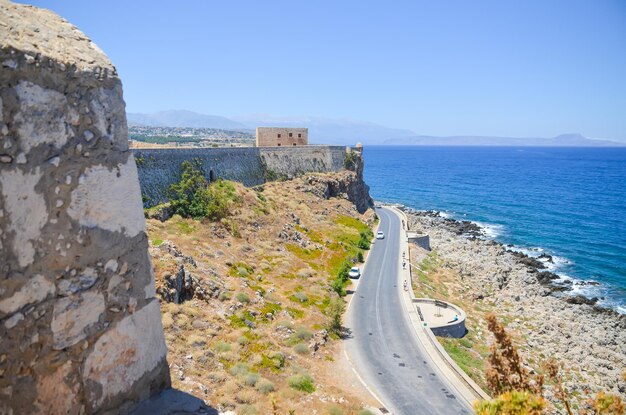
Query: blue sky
(506, 68)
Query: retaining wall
(159, 168)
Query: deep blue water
(568, 202)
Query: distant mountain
(563, 140)
(182, 118)
(349, 132)
(331, 131)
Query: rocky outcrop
(80, 326)
(347, 184)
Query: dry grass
(249, 347)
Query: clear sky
(506, 68)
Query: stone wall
(159, 168)
(281, 136)
(80, 327)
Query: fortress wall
(80, 327)
(159, 168)
(290, 162)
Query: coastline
(547, 317)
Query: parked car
(355, 272)
(380, 235)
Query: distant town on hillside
(180, 127)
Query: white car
(380, 235)
(355, 272)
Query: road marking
(363, 382)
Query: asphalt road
(381, 345)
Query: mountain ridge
(348, 132)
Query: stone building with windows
(281, 137)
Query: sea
(566, 202)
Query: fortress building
(281, 137)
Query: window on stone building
(294, 144)
(290, 135)
(299, 135)
(278, 144)
(278, 135)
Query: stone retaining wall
(80, 327)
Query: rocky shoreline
(588, 340)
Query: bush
(359, 256)
(302, 382)
(187, 197)
(335, 312)
(301, 348)
(251, 379)
(239, 369)
(335, 410)
(221, 347)
(265, 386)
(349, 161)
(194, 197)
(243, 298)
(338, 286)
(303, 334)
(301, 297)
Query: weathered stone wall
(159, 168)
(80, 328)
(281, 136)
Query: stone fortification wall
(80, 327)
(159, 168)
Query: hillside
(247, 303)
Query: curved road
(382, 346)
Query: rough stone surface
(80, 328)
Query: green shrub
(335, 410)
(265, 386)
(221, 347)
(302, 382)
(303, 334)
(359, 256)
(301, 297)
(251, 379)
(338, 286)
(301, 348)
(187, 197)
(194, 197)
(349, 161)
(335, 312)
(239, 369)
(243, 298)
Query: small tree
(188, 197)
(335, 312)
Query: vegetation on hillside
(274, 262)
(194, 197)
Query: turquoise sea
(567, 202)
